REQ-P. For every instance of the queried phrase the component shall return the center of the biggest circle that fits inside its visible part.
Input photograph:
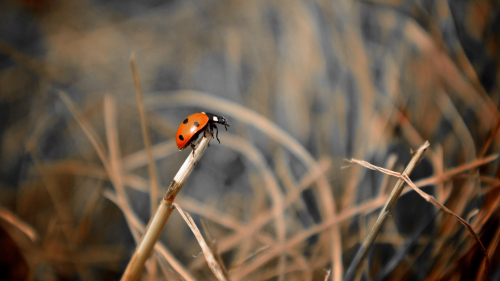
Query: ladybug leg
(216, 133)
(211, 130)
(193, 147)
(205, 135)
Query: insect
(194, 125)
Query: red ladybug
(190, 129)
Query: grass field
(305, 85)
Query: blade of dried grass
(458, 170)
(491, 251)
(213, 246)
(114, 170)
(147, 143)
(113, 145)
(384, 213)
(87, 129)
(18, 223)
(145, 135)
(490, 139)
(214, 264)
(432, 200)
(438, 164)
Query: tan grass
(305, 83)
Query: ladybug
(190, 129)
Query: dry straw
(210, 253)
(118, 172)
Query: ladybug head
(217, 119)
(223, 121)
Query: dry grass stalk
(147, 143)
(404, 177)
(384, 214)
(214, 263)
(19, 224)
(156, 223)
(145, 135)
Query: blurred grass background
(304, 84)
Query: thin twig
(384, 214)
(163, 212)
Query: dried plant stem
(153, 194)
(396, 192)
(163, 212)
(18, 223)
(145, 135)
(210, 254)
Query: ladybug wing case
(189, 128)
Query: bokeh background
(304, 85)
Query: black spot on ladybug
(185, 121)
(196, 124)
(181, 137)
